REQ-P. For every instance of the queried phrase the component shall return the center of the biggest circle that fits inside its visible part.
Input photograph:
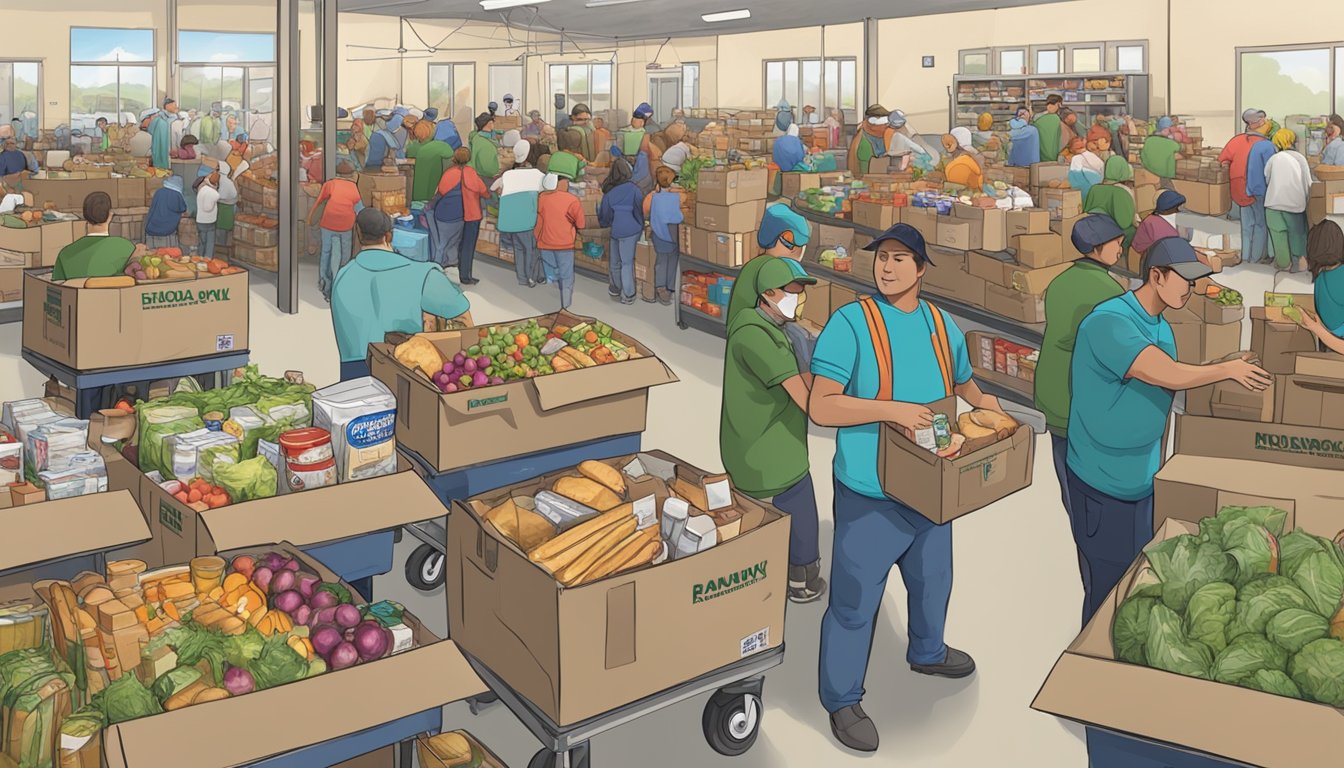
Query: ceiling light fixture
(726, 16)
(605, 3)
(499, 5)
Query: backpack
(449, 208)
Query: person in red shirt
(339, 201)
(559, 219)
(1236, 156)
(455, 221)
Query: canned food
(942, 431)
(309, 445)
(925, 439)
(306, 476)
(214, 421)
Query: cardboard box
(1311, 401)
(724, 187)
(736, 218)
(1027, 221)
(956, 283)
(1198, 342)
(1250, 441)
(817, 308)
(1064, 228)
(1044, 173)
(153, 322)
(998, 269)
(1037, 251)
(581, 651)
(645, 260)
(1145, 198)
(1014, 305)
(369, 183)
(41, 244)
(1209, 310)
(1277, 344)
(945, 489)
(1326, 365)
(1230, 400)
(1062, 203)
(842, 295)
(992, 223)
(876, 215)
(722, 249)
(923, 219)
(795, 183)
(68, 194)
(1208, 199)
(456, 430)
(831, 237)
(957, 234)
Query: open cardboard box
(450, 431)
(942, 490)
(577, 652)
(1209, 310)
(276, 720)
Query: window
(1285, 82)
(1013, 62)
(690, 85)
(224, 47)
(1339, 81)
(20, 82)
(975, 62)
(1129, 57)
(111, 75)
(1047, 61)
(200, 88)
(452, 87)
(507, 79)
(582, 84)
(1085, 58)
(812, 82)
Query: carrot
(170, 610)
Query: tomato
(182, 497)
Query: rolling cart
(731, 720)
(90, 386)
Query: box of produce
(589, 589)
(961, 464)
(489, 393)
(179, 309)
(40, 235)
(1216, 304)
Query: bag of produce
(194, 453)
(254, 478)
(158, 422)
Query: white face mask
(788, 306)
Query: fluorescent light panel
(497, 5)
(605, 3)
(726, 16)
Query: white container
(699, 535)
(188, 448)
(52, 445)
(675, 513)
(271, 452)
(361, 416)
(83, 474)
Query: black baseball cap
(1177, 255)
(905, 235)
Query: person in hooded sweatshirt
(518, 189)
(456, 213)
(432, 159)
(962, 164)
(789, 153)
(484, 152)
(383, 143)
(1049, 127)
(165, 214)
(1025, 148)
(1161, 223)
(622, 209)
(1114, 197)
(662, 207)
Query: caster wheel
(682, 325)
(477, 704)
(731, 722)
(424, 569)
(578, 757)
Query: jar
(214, 421)
(302, 477)
(206, 573)
(309, 445)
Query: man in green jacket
(1071, 297)
(484, 151)
(96, 254)
(1159, 156)
(1113, 198)
(1048, 126)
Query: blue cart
(91, 386)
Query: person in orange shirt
(340, 201)
(559, 219)
(1236, 157)
(961, 166)
(456, 220)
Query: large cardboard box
(722, 248)
(945, 489)
(581, 651)
(370, 183)
(1145, 198)
(830, 237)
(876, 215)
(794, 183)
(1251, 441)
(40, 245)
(90, 328)
(1277, 344)
(1014, 305)
(724, 187)
(1062, 203)
(923, 219)
(1209, 310)
(992, 223)
(817, 307)
(1027, 221)
(736, 218)
(999, 269)
(1311, 401)
(959, 234)
(1037, 251)
(1208, 199)
(1230, 400)
(1044, 173)
(1198, 342)
(68, 194)
(645, 260)
(456, 430)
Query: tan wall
(741, 58)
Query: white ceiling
(651, 19)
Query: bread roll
(622, 554)
(587, 493)
(606, 475)
(569, 565)
(1003, 425)
(523, 527)
(966, 425)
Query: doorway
(664, 94)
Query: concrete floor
(1014, 607)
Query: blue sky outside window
(223, 47)
(88, 44)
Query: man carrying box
(879, 360)
(763, 425)
(1125, 376)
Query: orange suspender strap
(942, 349)
(877, 331)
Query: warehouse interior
(278, 82)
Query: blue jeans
(561, 264)
(1110, 750)
(525, 261)
(326, 270)
(207, 234)
(800, 503)
(871, 535)
(623, 266)
(665, 258)
(1254, 232)
(466, 248)
(1110, 534)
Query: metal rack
(89, 385)
(1132, 99)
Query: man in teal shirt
(375, 294)
(1125, 376)
(923, 359)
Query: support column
(286, 143)
(170, 84)
(870, 91)
(327, 64)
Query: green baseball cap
(779, 272)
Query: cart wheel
(424, 569)
(731, 722)
(682, 325)
(578, 757)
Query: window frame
(518, 103)
(988, 53)
(1333, 49)
(1112, 60)
(825, 96)
(151, 65)
(686, 83)
(570, 101)
(1071, 48)
(1109, 58)
(14, 62)
(1033, 63)
(451, 66)
(997, 61)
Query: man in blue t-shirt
(1125, 376)
(856, 392)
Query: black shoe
(805, 583)
(613, 296)
(853, 728)
(956, 664)
(627, 300)
(470, 281)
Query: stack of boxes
(1206, 330)
(1016, 278)
(488, 242)
(1002, 361)
(755, 131)
(706, 292)
(728, 211)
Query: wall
(742, 57)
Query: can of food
(309, 445)
(942, 431)
(302, 477)
(214, 421)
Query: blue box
(411, 243)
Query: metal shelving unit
(971, 94)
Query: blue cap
(1091, 232)
(431, 114)
(778, 220)
(644, 111)
(1177, 255)
(1169, 200)
(905, 235)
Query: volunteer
(12, 161)
(518, 189)
(484, 152)
(962, 167)
(872, 140)
(783, 232)
(166, 208)
(384, 142)
(1048, 126)
(622, 210)
(340, 202)
(1075, 148)
(835, 126)
(1068, 128)
(1333, 154)
(904, 140)
(104, 141)
(421, 134)
(763, 418)
(984, 132)
(602, 139)
(311, 166)
(536, 127)
(1069, 298)
(161, 134)
(559, 219)
(1236, 156)
(1114, 196)
(634, 143)
(580, 132)
(227, 185)
(97, 253)
(1159, 157)
(1124, 377)
(357, 143)
(662, 208)
(187, 148)
(455, 222)
(677, 150)
(369, 298)
(1086, 168)
(1025, 147)
(370, 118)
(207, 211)
(1161, 223)
(789, 153)
(432, 160)
(509, 109)
(1325, 252)
(1287, 190)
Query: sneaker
(806, 583)
(649, 299)
(470, 281)
(627, 300)
(853, 728)
(956, 664)
(613, 296)
(664, 297)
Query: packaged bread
(639, 548)
(579, 533)
(1004, 426)
(580, 558)
(587, 492)
(607, 475)
(973, 431)
(523, 527)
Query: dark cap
(1092, 232)
(373, 224)
(905, 235)
(1177, 255)
(1169, 200)
(876, 110)
(483, 120)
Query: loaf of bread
(580, 532)
(569, 565)
(523, 527)
(587, 492)
(966, 425)
(636, 549)
(1001, 424)
(606, 475)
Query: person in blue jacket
(662, 207)
(166, 209)
(1257, 251)
(11, 159)
(622, 209)
(789, 153)
(384, 140)
(1025, 148)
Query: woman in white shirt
(1288, 188)
(207, 212)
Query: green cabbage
(241, 650)
(1271, 518)
(277, 664)
(1184, 563)
(1169, 648)
(1272, 681)
(1245, 656)
(1261, 600)
(126, 698)
(247, 480)
(1294, 548)
(1129, 631)
(159, 421)
(1321, 578)
(1293, 628)
(1318, 670)
(1209, 614)
(1254, 549)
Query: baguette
(580, 532)
(604, 474)
(587, 492)
(579, 359)
(625, 552)
(575, 561)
